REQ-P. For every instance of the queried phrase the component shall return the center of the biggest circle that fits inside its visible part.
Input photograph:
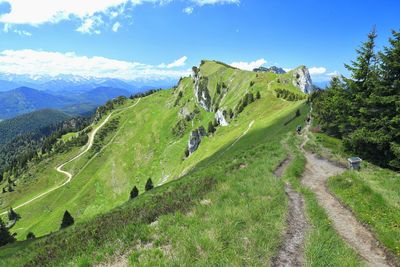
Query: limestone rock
(220, 117)
(302, 80)
(195, 139)
(201, 91)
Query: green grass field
(142, 147)
(221, 206)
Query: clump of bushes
(288, 95)
(244, 102)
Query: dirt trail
(69, 176)
(317, 172)
(291, 252)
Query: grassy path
(69, 176)
(291, 251)
(318, 170)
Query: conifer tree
(12, 215)
(258, 95)
(134, 193)
(5, 236)
(67, 220)
(30, 235)
(211, 128)
(149, 185)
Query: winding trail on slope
(69, 176)
(317, 172)
(291, 250)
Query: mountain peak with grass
(169, 137)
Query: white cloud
(317, 70)
(249, 65)
(22, 33)
(38, 12)
(334, 73)
(8, 28)
(89, 25)
(42, 11)
(178, 63)
(213, 2)
(116, 26)
(188, 10)
(44, 63)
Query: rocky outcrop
(220, 117)
(272, 69)
(195, 139)
(302, 80)
(201, 91)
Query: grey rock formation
(201, 91)
(195, 139)
(220, 117)
(272, 69)
(302, 80)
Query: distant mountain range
(63, 83)
(25, 99)
(74, 95)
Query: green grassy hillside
(143, 146)
(220, 205)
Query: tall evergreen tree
(388, 96)
(149, 185)
(364, 77)
(5, 236)
(67, 220)
(134, 193)
(211, 128)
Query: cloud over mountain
(41, 63)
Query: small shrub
(134, 193)
(149, 185)
(67, 220)
(211, 128)
(30, 235)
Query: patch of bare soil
(318, 170)
(282, 166)
(291, 251)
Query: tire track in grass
(357, 236)
(291, 250)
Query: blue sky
(158, 39)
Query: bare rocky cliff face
(195, 139)
(220, 116)
(302, 80)
(200, 90)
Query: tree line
(364, 109)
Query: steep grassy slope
(222, 205)
(229, 210)
(144, 146)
